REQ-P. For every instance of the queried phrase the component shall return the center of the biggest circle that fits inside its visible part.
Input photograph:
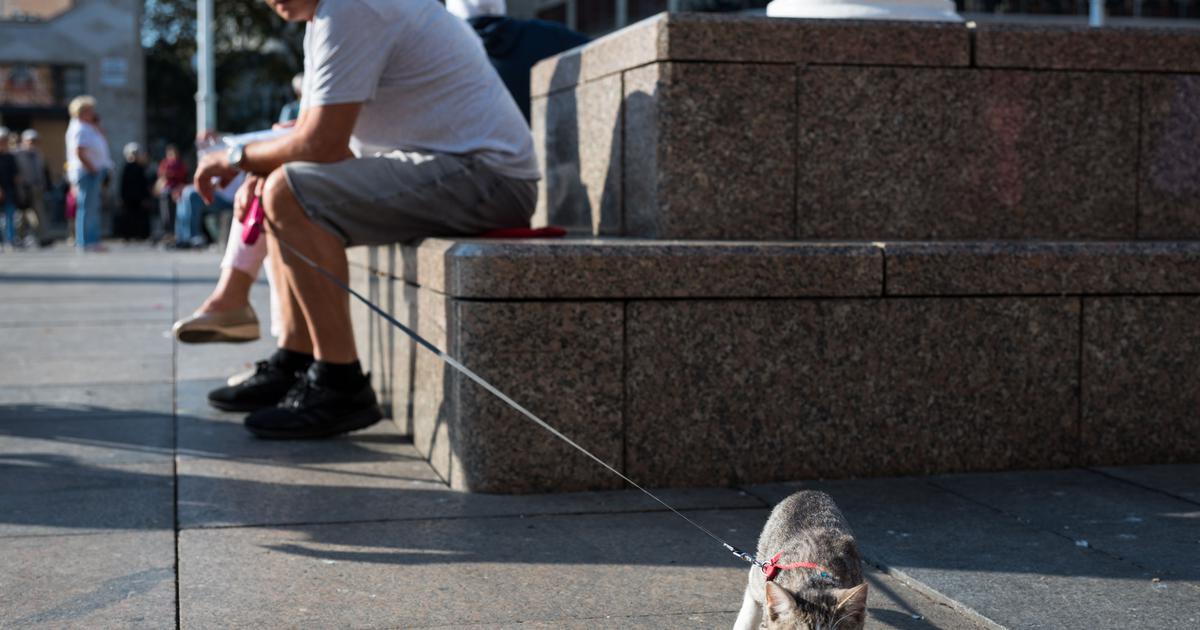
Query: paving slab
(24, 314)
(94, 399)
(85, 369)
(58, 436)
(996, 568)
(228, 477)
(207, 432)
(132, 339)
(1179, 480)
(1143, 527)
(117, 580)
(43, 497)
(464, 571)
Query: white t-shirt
(423, 78)
(88, 137)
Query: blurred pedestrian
(513, 45)
(89, 161)
(10, 179)
(134, 222)
(172, 177)
(35, 175)
(291, 111)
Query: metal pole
(1096, 13)
(206, 93)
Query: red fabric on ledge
(550, 231)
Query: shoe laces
(302, 393)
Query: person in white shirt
(88, 159)
(405, 131)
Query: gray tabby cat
(806, 528)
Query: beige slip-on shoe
(220, 326)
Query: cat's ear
(852, 601)
(779, 601)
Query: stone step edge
(622, 268)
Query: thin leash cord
(452, 362)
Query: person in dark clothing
(9, 181)
(135, 193)
(513, 45)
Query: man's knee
(278, 200)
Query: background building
(54, 50)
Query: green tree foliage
(256, 55)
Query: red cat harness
(772, 568)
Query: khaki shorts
(406, 195)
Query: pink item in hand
(252, 225)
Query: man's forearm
(320, 135)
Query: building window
(642, 9)
(595, 17)
(37, 86)
(556, 13)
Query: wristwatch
(235, 155)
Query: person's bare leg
(325, 306)
(231, 293)
(294, 333)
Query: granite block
(432, 399)
(578, 136)
(755, 39)
(560, 360)
(705, 167)
(634, 268)
(371, 275)
(862, 387)
(1015, 268)
(629, 47)
(905, 153)
(1140, 392)
(1169, 181)
(751, 38)
(1077, 47)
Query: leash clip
(743, 555)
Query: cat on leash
(812, 578)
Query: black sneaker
(265, 388)
(310, 411)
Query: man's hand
(215, 165)
(251, 187)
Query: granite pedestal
(692, 363)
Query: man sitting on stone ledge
(405, 132)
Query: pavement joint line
(1029, 524)
(481, 517)
(175, 442)
(569, 618)
(748, 491)
(89, 384)
(1143, 486)
(97, 532)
